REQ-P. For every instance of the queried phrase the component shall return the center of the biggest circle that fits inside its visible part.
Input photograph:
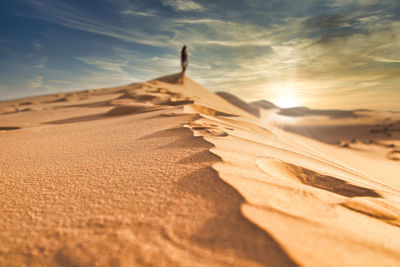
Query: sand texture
(167, 173)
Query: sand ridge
(168, 173)
(293, 191)
(115, 178)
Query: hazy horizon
(320, 54)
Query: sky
(321, 54)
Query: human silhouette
(184, 59)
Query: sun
(285, 94)
(286, 101)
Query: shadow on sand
(9, 128)
(115, 112)
(228, 229)
(330, 183)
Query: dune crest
(326, 207)
(168, 173)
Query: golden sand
(166, 173)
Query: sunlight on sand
(167, 173)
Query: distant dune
(167, 173)
(248, 107)
(332, 113)
(264, 104)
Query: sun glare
(286, 101)
(285, 97)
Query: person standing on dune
(184, 60)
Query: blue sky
(322, 54)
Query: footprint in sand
(358, 199)
(374, 207)
(207, 130)
(287, 171)
(394, 155)
(25, 103)
(9, 128)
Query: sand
(167, 173)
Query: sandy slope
(165, 173)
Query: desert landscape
(167, 173)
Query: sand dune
(264, 104)
(250, 108)
(168, 173)
(331, 113)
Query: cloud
(68, 16)
(164, 31)
(91, 80)
(325, 48)
(137, 13)
(35, 83)
(37, 46)
(183, 5)
(386, 60)
(40, 62)
(147, 65)
(105, 64)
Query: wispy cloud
(37, 46)
(35, 83)
(137, 13)
(386, 60)
(253, 48)
(183, 5)
(68, 16)
(166, 31)
(92, 80)
(105, 64)
(39, 62)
